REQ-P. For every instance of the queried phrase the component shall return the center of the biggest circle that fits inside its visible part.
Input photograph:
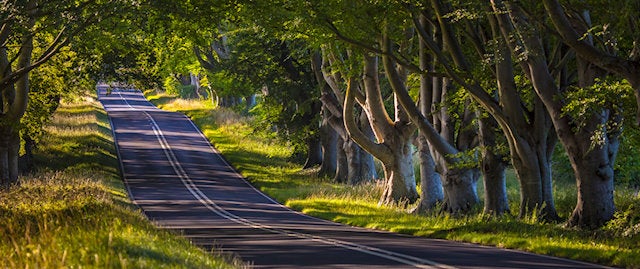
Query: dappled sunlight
(266, 165)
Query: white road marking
(213, 207)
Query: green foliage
(626, 221)
(560, 165)
(616, 97)
(173, 87)
(627, 166)
(610, 94)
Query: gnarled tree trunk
(592, 164)
(393, 145)
(594, 173)
(398, 186)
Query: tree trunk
(495, 188)
(460, 193)
(314, 152)
(392, 144)
(430, 181)
(431, 192)
(14, 156)
(26, 161)
(492, 166)
(4, 162)
(367, 165)
(251, 101)
(329, 141)
(354, 161)
(342, 164)
(400, 186)
(594, 178)
(195, 81)
(9, 154)
(534, 174)
(593, 162)
(360, 163)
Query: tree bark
(352, 164)
(593, 169)
(460, 193)
(14, 104)
(592, 164)
(393, 147)
(431, 193)
(329, 138)
(458, 182)
(367, 169)
(492, 166)
(314, 152)
(399, 188)
(629, 67)
(342, 164)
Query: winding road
(181, 182)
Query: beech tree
(618, 52)
(352, 164)
(490, 78)
(392, 145)
(591, 138)
(23, 27)
(530, 152)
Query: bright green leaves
(605, 96)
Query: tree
(23, 25)
(63, 76)
(393, 137)
(590, 138)
(530, 152)
(623, 59)
(352, 163)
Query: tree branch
(425, 127)
(380, 151)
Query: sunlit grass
(74, 212)
(266, 165)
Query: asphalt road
(181, 182)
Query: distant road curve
(182, 183)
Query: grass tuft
(74, 210)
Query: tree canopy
(482, 86)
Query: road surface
(181, 182)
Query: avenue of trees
(466, 89)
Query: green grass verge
(265, 164)
(74, 211)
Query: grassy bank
(265, 164)
(74, 211)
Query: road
(181, 182)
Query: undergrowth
(265, 164)
(74, 212)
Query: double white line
(213, 207)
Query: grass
(74, 212)
(265, 164)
